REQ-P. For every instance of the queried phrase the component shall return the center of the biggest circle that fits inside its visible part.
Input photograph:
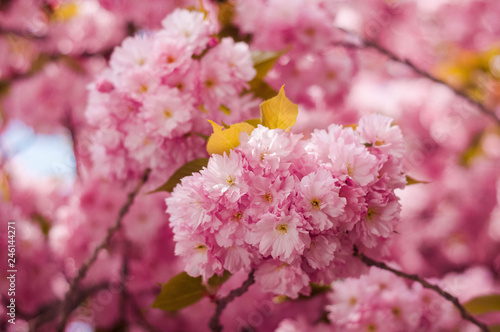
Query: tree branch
(105, 243)
(123, 281)
(464, 313)
(70, 125)
(20, 33)
(364, 43)
(215, 324)
(141, 319)
(49, 312)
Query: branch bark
(82, 272)
(215, 324)
(464, 313)
(365, 43)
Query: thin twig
(49, 312)
(141, 319)
(105, 243)
(70, 125)
(365, 43)
(464, 313)
(123, 282)
(215, 324)
(20, 33)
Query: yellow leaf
(410, 181)
(65, 12)
(224, 140)
(279, 112)
(254, 122)
(4, 187)
(353, 126)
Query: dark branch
(20, 33)
(123, 281)
(364, 43)
(141, 319)
(215, 324)
(105, 243)
(464, 313)
(49, 312)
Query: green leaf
(226, 16)
(205, 137)
(225, 109)
(216, 281)
(186, 170)
(483, 304)
(279, 112)
(226, 12)
(4, 87)
(179, 292)
(261, 89)
(73, 64)
(264, 61)
(43, 222)
(38, 64)
(474, 150)
(410, 181)
(316, 289)
(494, 328)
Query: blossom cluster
(316, 72)
(289, 207)
(381, 301)
(150, 103)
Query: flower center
(371, 213)
(263, 154)
(200, 248)
(237, 216)
(230, 180)
(209, 83)
(310, 32)
(350, 170)
(316, 203)
(330, 75)
(167, 113)
(282, 228)
(143, 88)
(268, 197)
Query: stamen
(316, 203)
(282, 228)
(230, 180)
